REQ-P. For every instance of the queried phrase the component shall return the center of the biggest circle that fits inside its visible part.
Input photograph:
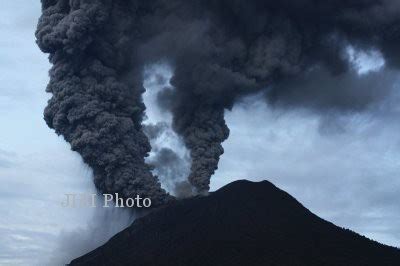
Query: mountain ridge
(242, 223)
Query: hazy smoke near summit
(293, 51)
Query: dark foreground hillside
(243, 223)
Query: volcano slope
(243, 223)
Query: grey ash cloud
(294, 52)
(323, 92)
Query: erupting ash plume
(219, 51)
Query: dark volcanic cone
(243, 223)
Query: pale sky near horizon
(349, 177)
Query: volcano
(244, 223)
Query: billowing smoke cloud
(96, 87)
(219, 51)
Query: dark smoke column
(96, 91)
(203, 135)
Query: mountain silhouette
(244, 223)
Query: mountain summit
(243, 223)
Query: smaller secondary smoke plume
(104, 224)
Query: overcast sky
(345, 169)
